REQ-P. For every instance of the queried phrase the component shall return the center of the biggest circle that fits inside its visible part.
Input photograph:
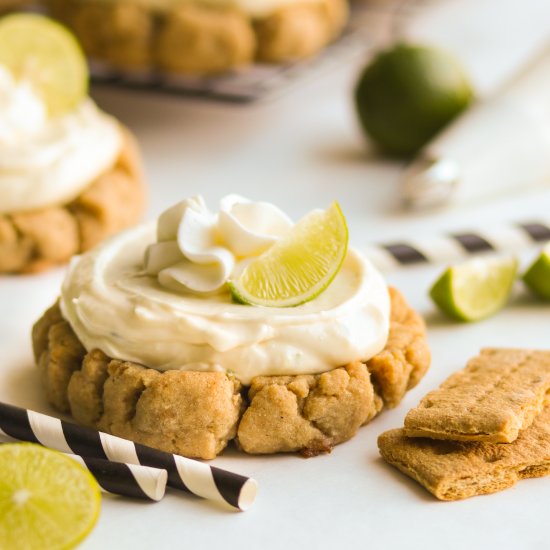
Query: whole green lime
(409, 93)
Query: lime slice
(45, 53)
(299, 266)
(537, 277)
(475, 289)
(47, 500)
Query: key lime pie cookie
(151, 341)
(70, 175)
(201, 36)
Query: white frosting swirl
(197, 251)
(113, 305)
(47, 161)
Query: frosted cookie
(147, 343)
(201, 36)
(498, 394)
(453, 470)
(70, 175)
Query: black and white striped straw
(129, 480)
(185, 474)
(458, 246)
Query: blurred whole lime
(407, 94)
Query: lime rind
(537, 276)
(47, 500)
(44, 52)
(476, 289)
(298, 267)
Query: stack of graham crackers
(483, 429)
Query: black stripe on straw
(473, 243)
(164, 461)
(537, 231)
(83, 441)
(229, 485)
(115, 478)
(405, 253)
(15, 423)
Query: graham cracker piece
(498, 394)
(453, 470)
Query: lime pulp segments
(47, 500)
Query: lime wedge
(47, 500)
(299, 266)
(475, 289)
(45, 53)
(537, 277)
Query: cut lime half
(299, 266)
(537, 277)
(475, 289)
(43, 52)
(47, 500)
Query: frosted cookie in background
(70, 175)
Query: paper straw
(127, 480)
(184, 474)
(458, 246)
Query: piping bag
(499, 146)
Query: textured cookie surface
(197, 413)
(307, 413)
(498, 394)
(453, 470)
(406, 357)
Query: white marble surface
(304, 151)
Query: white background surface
(301, 152)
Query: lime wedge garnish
(475, 289)
(46, 54)
(299, 266)
(537, 277)
(47, 500)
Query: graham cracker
(453, 470)
(499, 393)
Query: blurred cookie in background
(200, 37)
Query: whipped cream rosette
(70, 175)
(197, 251)
(156, 349)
